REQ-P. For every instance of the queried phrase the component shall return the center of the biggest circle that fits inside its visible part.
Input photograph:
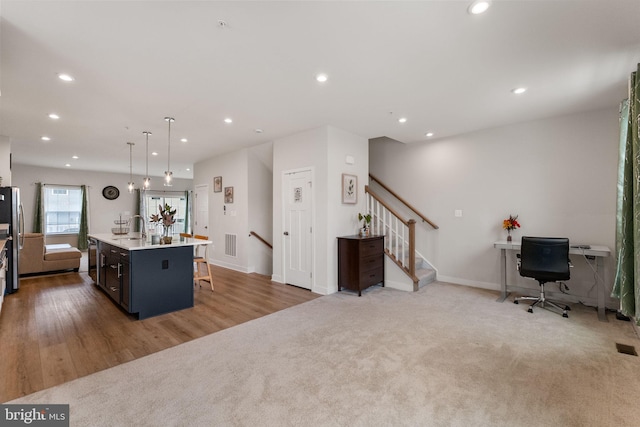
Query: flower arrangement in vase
(166, 218)
(509, 224)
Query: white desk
(599, 252)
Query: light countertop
(133, 241)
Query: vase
(166, 237)
(508, 236)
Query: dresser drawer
(371, 262)
(371, 277)
(373, 247)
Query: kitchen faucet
(143, 233)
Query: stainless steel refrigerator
(11, 213)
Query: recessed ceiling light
(188, 169)
(65, 77)
(75, 157)
(54, 116)
(428, 134)
(519, 90)
(259, 131)
(228, 120)
(322, 78)
(68, 165)
(402, 120)
(154, 154)
(183, 140)
(479, 6)
(45, 138)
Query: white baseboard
(229, 266)
(470, 283)
(398, 285)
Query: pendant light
(168, 174)
(130, 186)
(147, 181)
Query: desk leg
(602, 315)
(503, 276)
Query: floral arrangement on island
(509, 224)
(166, 218)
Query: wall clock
(110, 192)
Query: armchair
(545, 259)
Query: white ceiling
(446, 71)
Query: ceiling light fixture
(65, 77)
(322, 78)
(54, 116)
(45, 138)
(479, 6)
(168, 174)
(519, 90)
(228, 120)
(147, 181)
(184, 140)
(68, 165)
(154, 153)
(130, 186)
(259, 131)
(428, 134)
(75, 157)
(402, 120)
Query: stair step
(425, 276)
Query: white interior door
(201, 216)
(298, 233)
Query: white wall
(342, 219)
(102, 212)
(231, 218)
(558, 175)
(260, 208)
(5, 161)
(323, 151)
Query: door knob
(286, 233)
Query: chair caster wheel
(515, 301)
(530, 310)
(566, 307)
(565, 315)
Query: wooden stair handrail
(407, 204)
(257, 236)
(410, 267)
(376, 196)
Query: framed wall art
(217, 184)
(228, 194)
(349, 188)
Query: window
(179, 203)
(62, 207)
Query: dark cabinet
(360, 262)
(114, 273)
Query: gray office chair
(545, 259)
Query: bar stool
(202, 259)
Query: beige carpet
(444, 356)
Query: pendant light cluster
(130, 186)
(147, 181)
(168, 175)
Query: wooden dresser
(360, 262)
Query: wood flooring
(61, 327)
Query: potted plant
(166, 218)
(366, 220)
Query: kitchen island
(146, 279)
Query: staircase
(416, 270)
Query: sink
(127, 238)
